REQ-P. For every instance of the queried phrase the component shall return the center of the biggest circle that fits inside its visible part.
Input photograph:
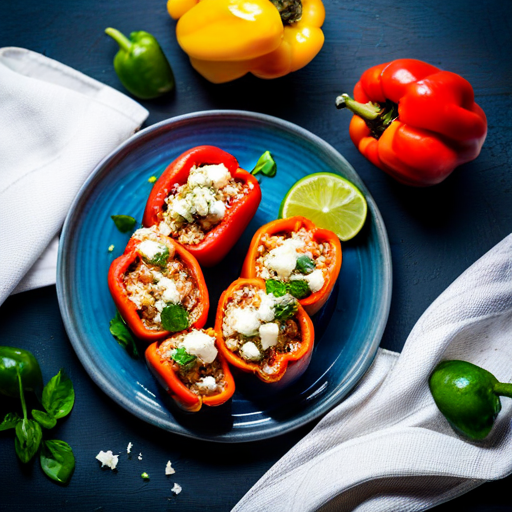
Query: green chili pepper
(468, 396)
(13, 359)
(141, 65)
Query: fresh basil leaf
(27, 440)
(305, 265)
(10, 421)
(57, 460)
(124, 337)
(59, 395)
(277, 288)
(266, 165)
(285, 310)
(160, 258)
(124, 223)
(299, 289)
(44, 419)
(174, 318)
(182, 357)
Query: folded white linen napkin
(57, 124)
(387, 447)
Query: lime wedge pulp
(328, 200)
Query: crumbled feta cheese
(164, 228)
(202, 198)
(160, 305)
(217, 210)
(283, 259)
(176, 488)
(201, 345)
(315, 280)
(108, 459)
(182, 208)
(266, 309)
(139, 456)
(198, 178)
(169, 470)
(129, 448)
(149, 249)
(218, 175)
(207, 383)
(169, 291)
(250, 351)
(246, 321)
(268, 335)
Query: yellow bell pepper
(226, 39)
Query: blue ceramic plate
(348, 328)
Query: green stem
(22, 395)
(120, 38)
(368, 111)
(503, 389)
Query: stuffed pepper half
(262, 333)
(295, 257)
(204, 201)
(158, 286)
(191, 370)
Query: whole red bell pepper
(128, 309)
(289, 366)
(220, 239)
(166, 373)
(314, 302)
(414, 121)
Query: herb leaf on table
(59, 395)
(57, 460)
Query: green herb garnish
(59, 395)
(182, 357)
(305, 265)
(174, 318)
(124, 337)
(10, 421)
(266, 165)
(57, 460)
(275, 287)
(299, 289)
(160, 258)
(286, 310)
(124, 223)
(44, 419)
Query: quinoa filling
(191, 210)
(160, 285)
(257, 326)
(296, 260)
(194, 358)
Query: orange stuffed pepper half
(158, 286)
(260, 333)
(204, 201)
(191, 369)
(294, 256)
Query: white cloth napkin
(387, 447)
(57, 124)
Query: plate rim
(100, 380)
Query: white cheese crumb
(246, 321)
(149, 249)
(200, 344)
(181, 208)
(201, 199)
(207, 383)
(268, 335)
(169, 470)
(140, 456)
(217, 210)
(169, 291)
(129, 448)
(266, 309)
(164, 228)
(218, 175)
(283, 259)
(315, 280)
(176, 488)
(250, 351)
(108, 459)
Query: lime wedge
(328, 200)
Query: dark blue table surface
(435, 234)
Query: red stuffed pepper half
(261, 333)
(158, 286)
(190, 368)
(296, 257)
(204, 201)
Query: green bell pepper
(468, 396)
(16, 358)
(141, 64)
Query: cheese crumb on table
(169, 470)
(129, 448)
(176, 488)
(140, 456)
(108, 459)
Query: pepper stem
(22, 395)
(120, 38)
(503, 389)
(368, 111)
